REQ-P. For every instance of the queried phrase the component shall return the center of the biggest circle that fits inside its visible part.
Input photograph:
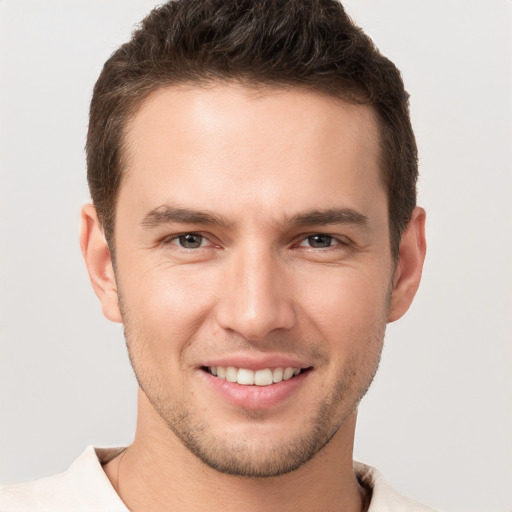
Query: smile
(246, 377)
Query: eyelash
(176, 238)
(332, 240)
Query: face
(253, 268)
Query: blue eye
(190, 240)
(320, 241)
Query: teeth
(231, 374)
(263, 377)
(277, 375)
(246, 377)
(288, 373)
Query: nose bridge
(256, 300)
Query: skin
(244, 171)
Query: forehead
(281, 144)
(253, 111)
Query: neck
(158, 473)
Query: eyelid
(340, 240)
(169, 239)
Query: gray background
(438, 420)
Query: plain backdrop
(438, 420)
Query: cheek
(167, 304)
(345, 304)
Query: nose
(256, 297)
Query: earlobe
(406, 279)
(99, 263)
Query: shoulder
(83, 487)
(383, 497)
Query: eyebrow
(330, 216)
(167, 214)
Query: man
(254, 227)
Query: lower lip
(255, 397)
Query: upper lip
(252, 362)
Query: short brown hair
(285, 43)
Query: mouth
(247, 377)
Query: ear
(407, 276)
(99, 263)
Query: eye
(319, 241)
(189, 241)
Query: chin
(256, 446)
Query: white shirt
(84, 487)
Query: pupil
(320, 240)
(190, 241)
